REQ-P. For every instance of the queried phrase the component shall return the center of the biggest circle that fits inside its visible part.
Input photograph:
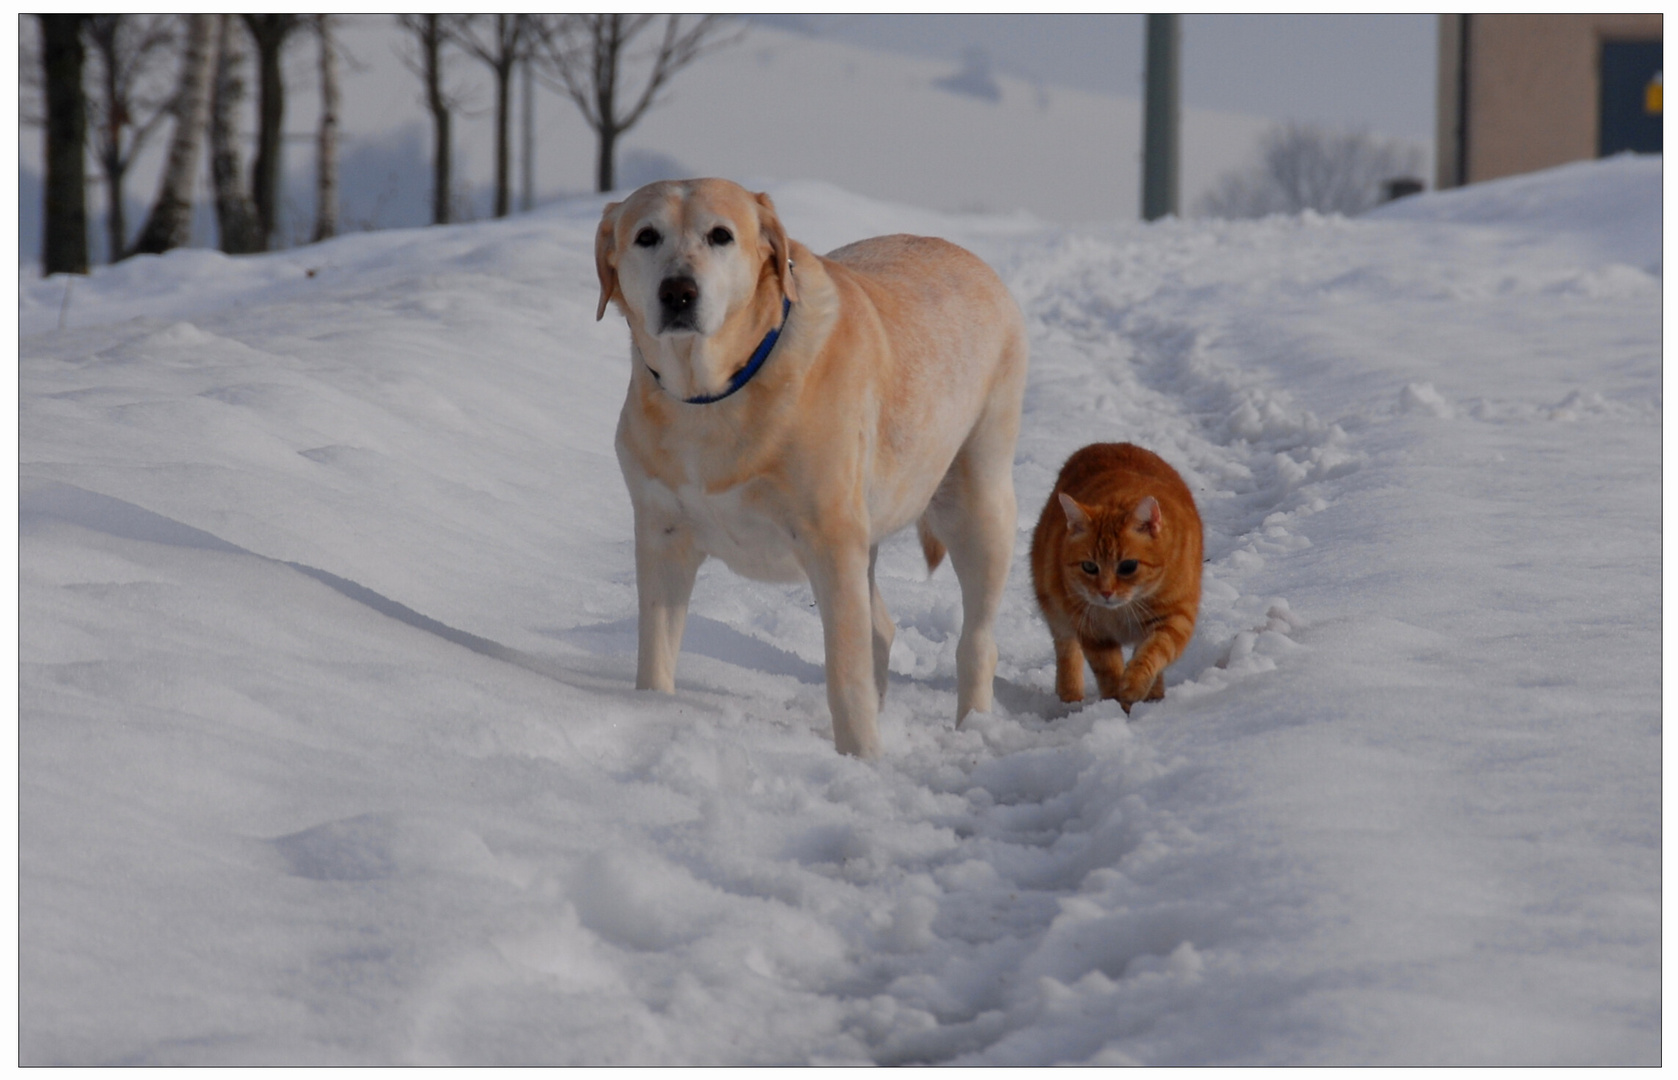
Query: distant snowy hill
(775, 106)
(329, 751)
(939, 135)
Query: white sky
(1374, 71)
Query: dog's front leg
(666, 561)
(839, 578)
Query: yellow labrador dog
(788, 411)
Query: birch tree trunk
(110, 152)
(326, 154)
(64, 242)
(236, 219)
(501, 48)
(503, 136)
(442, 160)
(170, 223)
(270, 33)
(442, 167)
(431, 34)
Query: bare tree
(431, 34)
(64, 243)
(170, 223)
(130, 104)
(500, 44)
(326, 152)
(1305, 167)
(584, 57)
(237, 222)
(270, 33)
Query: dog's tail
(931, 547)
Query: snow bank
(1586, 202)
(329, 752)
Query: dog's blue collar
(744, 375)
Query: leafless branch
(428, 35)
(586, 58)
(135, 91)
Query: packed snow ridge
(329, 751)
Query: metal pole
(1162, 118)
(1464, 58)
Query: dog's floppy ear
(770, 227)
(605, 246)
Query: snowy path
(329, 753)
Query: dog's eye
(647, 238)
(1089, 568)
(1127, 567)
(720, 236)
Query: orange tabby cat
(1115, 561)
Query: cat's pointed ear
(1077, 518)
(1146, 515)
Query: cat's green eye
(1089, 568)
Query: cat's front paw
(1132, 690)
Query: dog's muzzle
(678, 302)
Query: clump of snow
(330, 753)
(1421, 397)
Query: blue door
(1631, 97)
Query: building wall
(1531, 84)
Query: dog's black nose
(678, 294)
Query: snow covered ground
(329, 751)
